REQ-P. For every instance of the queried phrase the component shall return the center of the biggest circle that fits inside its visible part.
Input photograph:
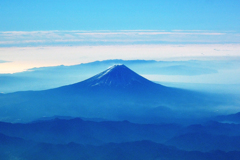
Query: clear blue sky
(31, 15)
(56, 32)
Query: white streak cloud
(55, 37)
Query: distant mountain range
(117, 93)
(51, 77)
(78, 139)
(62, 131)
(16, 148)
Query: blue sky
(36, 33)
(28, 15)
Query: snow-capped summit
(117, 76)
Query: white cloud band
(75, 37)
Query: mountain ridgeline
(117, 93)
(96, 119)
(79, 139)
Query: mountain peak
(117, 75)
(117, 66)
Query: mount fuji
(117, 77)
(116, 94)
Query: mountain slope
(231, 118)
(117, 94)
(117, 76)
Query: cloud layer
(28, 49)
(23, 58)
(49, 38)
